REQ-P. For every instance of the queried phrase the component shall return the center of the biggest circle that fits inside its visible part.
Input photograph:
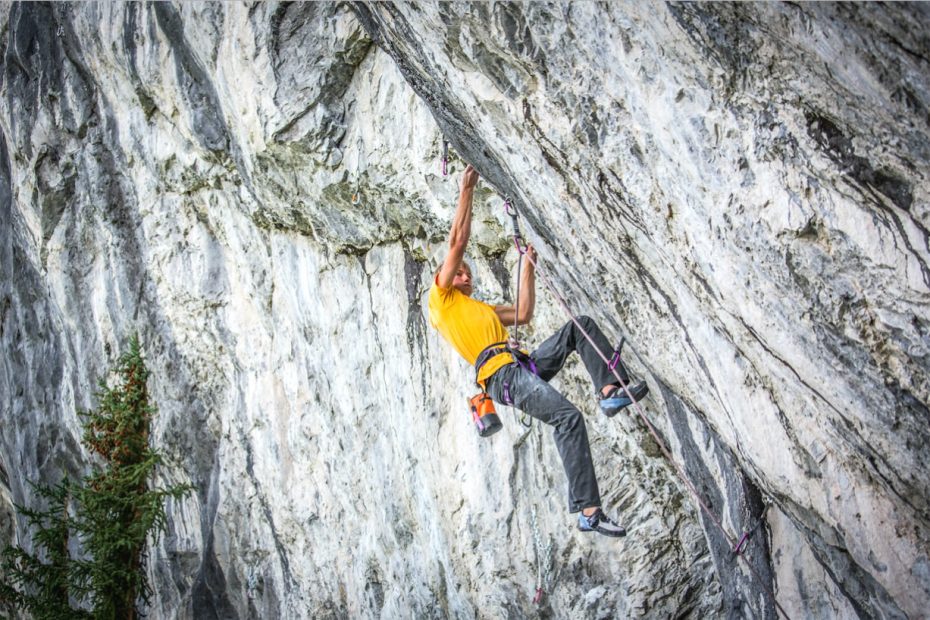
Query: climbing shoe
(600, 523)
(617, 399)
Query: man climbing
(476, 331)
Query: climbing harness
(520, 356)
(612, 365)
(489, 352)
(444, 166)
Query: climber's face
(462, 280)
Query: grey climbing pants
(531, 393)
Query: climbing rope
(521, 250)
(514, 341)
(612, 365)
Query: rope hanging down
(543, 561)
(521, 250)
(611, 363)
(514, 342)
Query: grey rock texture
(739, 190)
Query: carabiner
(509, 209)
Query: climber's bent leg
(550, 356)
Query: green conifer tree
(114, 511)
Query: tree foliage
(112, 512)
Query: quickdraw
(444, 166)
(615, 358)
(511, 210)
(741, 545)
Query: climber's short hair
(464, 264)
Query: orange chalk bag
(484, 415)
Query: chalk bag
(484, 415)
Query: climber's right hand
(469, 178)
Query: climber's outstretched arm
(461, 228)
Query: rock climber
(476, 331)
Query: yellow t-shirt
(468, 325)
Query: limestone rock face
(739, 191)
